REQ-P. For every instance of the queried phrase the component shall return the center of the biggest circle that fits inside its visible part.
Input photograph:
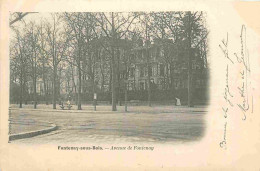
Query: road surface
(155, 126)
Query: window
(163, 82)
(121, 75)
(145, 72)
(161, 52)
(199, 83)
(141, 85)
(157, 52)
(84, 77)
(132, 57)
(162, 70)
(140, 55)
(131, 85)
(185, 83)
(131, 72)
(154, 71)
(193, 65)
(141, 71)
(177, 83)
(150, 71)
(152, 54)
(203, 83)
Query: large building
(167, 69)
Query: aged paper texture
(227, 139)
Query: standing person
(178, 102)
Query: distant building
(166, 72)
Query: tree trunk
(118, 78)
(125, 97)
(21, 88)
(167, 77)
(148, 67)
(34, 82)
(79, 89)
(113, 67)
(34, 92)
(43, 66)
(113, 83)
(73, 80)
(93, 82)
(22, 80)
(189, 63)
(102, 81)
(54, 86)
(25, 95)
(110, 77)
(148, 80)
(102, 74)
(45, 89)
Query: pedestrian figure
(68, 105)
(61, 105)
(178, 102)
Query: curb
(105, 112)
(64, 111)
(114, 112)
(32, 133)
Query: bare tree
(94, 44)
(44, 59)
(58, 44)
(195, 35)
(188, 32)
(81, 27)
(115, 26)
(145, 24)
(18, 62)
(32, 34)
(17, 16)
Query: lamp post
(125, 81)
(95, 101)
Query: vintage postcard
(130, 85)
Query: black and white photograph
(129, 85)
(108, 77)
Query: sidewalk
(25, 127)
(21, 126)
(107, 109)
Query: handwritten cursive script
(228, 95)
(223, 143)
(243, 59)
(241, 95)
